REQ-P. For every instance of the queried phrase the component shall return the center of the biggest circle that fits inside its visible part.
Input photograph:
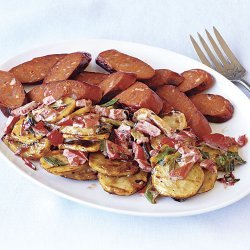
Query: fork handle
(243, 83)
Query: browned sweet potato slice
(139, 95)
(35, 70)
(68, 67)
(166, 108)
(12, 94)
(94, 78)
(115, 83)
(181, 102)
(215, 107)
(71, 88)
(113, 60)
(162, 77)
(195, 81)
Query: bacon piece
(115, 151)
(209, 165)
(91, 120)
(219, 141)
(55, 137)
(40, 128)
(78, 122)
(49, 100)
(118, 114)
(147, 128)
(242, 140)
(11, 121)
(83, 103)
(102, 111)
(25, 109)
(140, 157)
(65, 122)
(44, 114)
(123, 133)
(167, 141)
(75, 157)
(189, 157)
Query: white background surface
(33, 218)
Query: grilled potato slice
(69, 108)
(156, 141)
(87, 137)
(81, 111)
(123, 186)
(33, 152)
(178, 189)
(176, 120)
(84, 173)
(99, 163)
(24, 136)
(56, 163)
(77, 130)
(93, 147)
(209, 181)
(213, 153)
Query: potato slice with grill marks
(84, 173)
(98, 162)
(24, 136)
(176, 120)
(178, 189)
(70, 105)
(33, 152)
(56, 163)
(123, 186)
(94, 137)
(209, 181)
(93, 147)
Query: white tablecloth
(34, 218)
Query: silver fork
(225, 63)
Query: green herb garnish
(110, 103)
(54, 161)
(164, 151)
(151, 193)
(228, 161)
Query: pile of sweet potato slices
(135, 83)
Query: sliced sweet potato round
(12, 93)
(113, 60)
(68, 66)
(216, 108)
(196, 81)
(34, 71)
(162, 77)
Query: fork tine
(210, 54)
(217, 50)
(200, 53)
(226, 49)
